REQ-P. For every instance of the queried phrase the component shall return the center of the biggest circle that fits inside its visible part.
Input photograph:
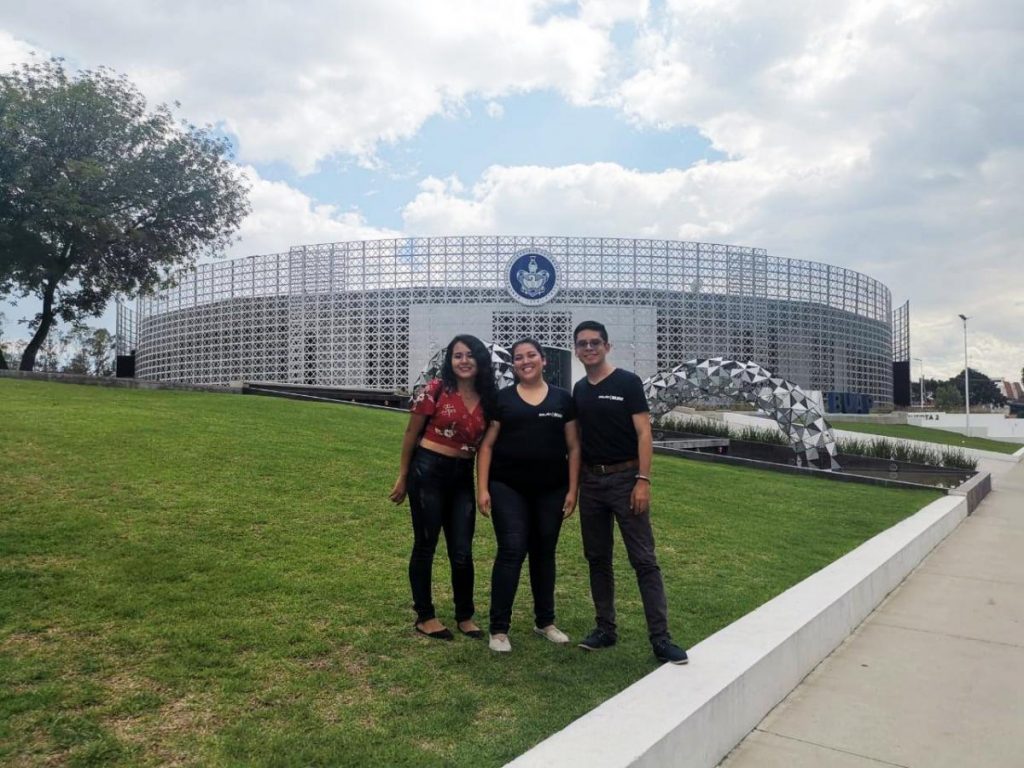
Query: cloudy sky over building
(882, 136)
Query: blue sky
(887, 137)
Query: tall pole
(921, 380)
(967, 380)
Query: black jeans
(524, 523)
(604, 498)
(441, 498)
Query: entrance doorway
(559, 368)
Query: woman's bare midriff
(444, 450)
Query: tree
(51, 352)
(99, 196)
(948, 397)
(92, 351)
(99, 348)
(79, 360)
(12, 352)
(983, 390)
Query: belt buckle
(600, 469)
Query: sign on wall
(532, 277)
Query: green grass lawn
(205, 579)
(940, 436)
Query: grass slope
(202, 579)
(927, 434)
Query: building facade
(369, 314)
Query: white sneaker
(552, 633)
(499, 643)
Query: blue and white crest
(532, 277)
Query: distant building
(1011, 390)
(370, 314)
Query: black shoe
(668, 652)
(476, 634)
(441, 634)
(597, 640)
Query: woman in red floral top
(447, 421)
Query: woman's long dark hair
(484, 381)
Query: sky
(887, 137)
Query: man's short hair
(591, 325)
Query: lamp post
(967, 380)
(921, 385)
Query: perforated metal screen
(339, 313)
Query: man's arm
(640, 498)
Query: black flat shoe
(476, 634)
(441, 634)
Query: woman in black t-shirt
(528, 469)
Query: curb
(694, 716)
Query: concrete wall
(993, 425)
(234, 388)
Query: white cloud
(495, 110)
(283, 216)
(14, 51)
(301, 83)
(607, 13)
(599, 199)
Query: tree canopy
(983, 389)
(948, 398)
(100, 195)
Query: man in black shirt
(615, 485)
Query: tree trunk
(3, 361)
(28, 357)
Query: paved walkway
(934, 677)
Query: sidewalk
(934, 677)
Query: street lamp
(921, 386)
(967, 380)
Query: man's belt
(611, 469)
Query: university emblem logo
(532, 277)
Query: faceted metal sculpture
(799, 417)
(501, 364)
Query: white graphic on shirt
(611, 397)
(552, 414)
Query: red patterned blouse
(449, 422)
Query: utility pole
(967, 380)
(921, 385)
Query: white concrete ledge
(693, 716)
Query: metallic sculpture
(365, 313)
(799, 417)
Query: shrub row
(877, 447)
(898, 450)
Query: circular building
(370, 314)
